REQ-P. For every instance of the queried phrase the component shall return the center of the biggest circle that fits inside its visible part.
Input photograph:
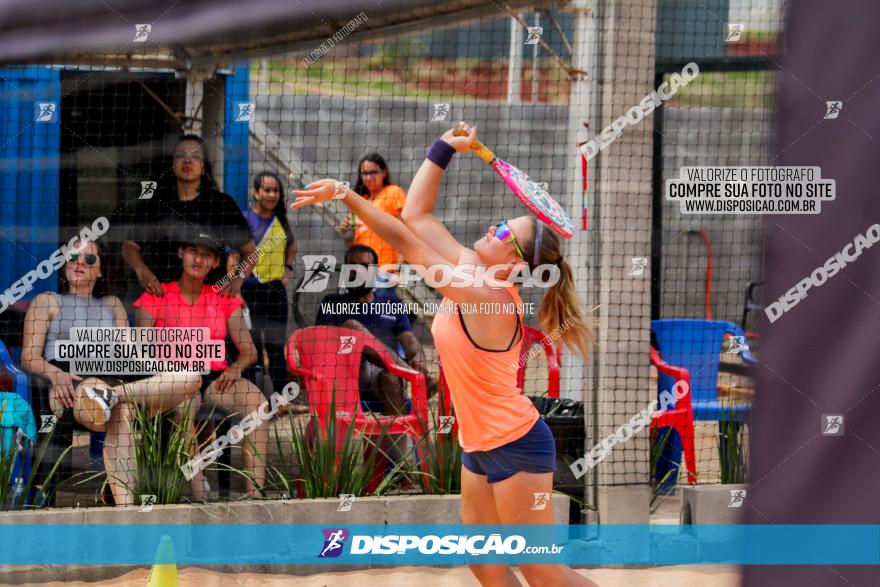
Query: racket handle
(481, 150)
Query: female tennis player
(509, 452)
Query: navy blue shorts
(533, 453)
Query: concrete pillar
(213, 114)
(614, 42)
(204, 100)
(195, 93)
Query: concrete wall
(320, 136)
(327, 136)
(710, 136)
(418, 509)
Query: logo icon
(544, 186)
(832, 424)
(148, 188)
(736, 344)
(47, 423)
(341, 186)
(21, 440)
(346, 500)
(541, 501)
(141, 32)
(317, 275)
(832, 109)
(245, 111)
(346, 345)
(446, 423)
(639, 266)
(148, 500)
(46, 112)
(535, 33)
(734, 32)
(737, 497)
(334, 540)
(17, 487)
(441, 111)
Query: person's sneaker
(97, 404)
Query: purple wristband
(441, 153)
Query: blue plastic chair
(696, 345)
(19, 377)
(16, 416)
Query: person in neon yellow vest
(265, 290)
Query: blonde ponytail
(562, 315)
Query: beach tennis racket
(536, 199)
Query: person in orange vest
(374, 184)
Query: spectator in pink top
(191, 303)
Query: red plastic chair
(531, 336)
(681, 417)
(331, 357)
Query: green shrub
(732, 447)
(163, 442)
(14, 492)
(442, 455)
(330, 461)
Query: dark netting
(92, 136)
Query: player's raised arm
(393, 231)
(418, 212)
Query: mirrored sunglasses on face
(505, 235)
(88, 258)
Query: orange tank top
(490, 409)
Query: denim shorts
(533, 453)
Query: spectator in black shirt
(194, 202)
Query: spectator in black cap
(192, 303)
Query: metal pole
(514, 70)
(535, 63)
(584, 100)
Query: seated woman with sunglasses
(509, 454)
(192, 303)
(99, 404)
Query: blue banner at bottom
(293, 544)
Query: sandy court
(678, 576)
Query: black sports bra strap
(470, 338)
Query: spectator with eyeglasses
(190, 200)
(374, 184)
